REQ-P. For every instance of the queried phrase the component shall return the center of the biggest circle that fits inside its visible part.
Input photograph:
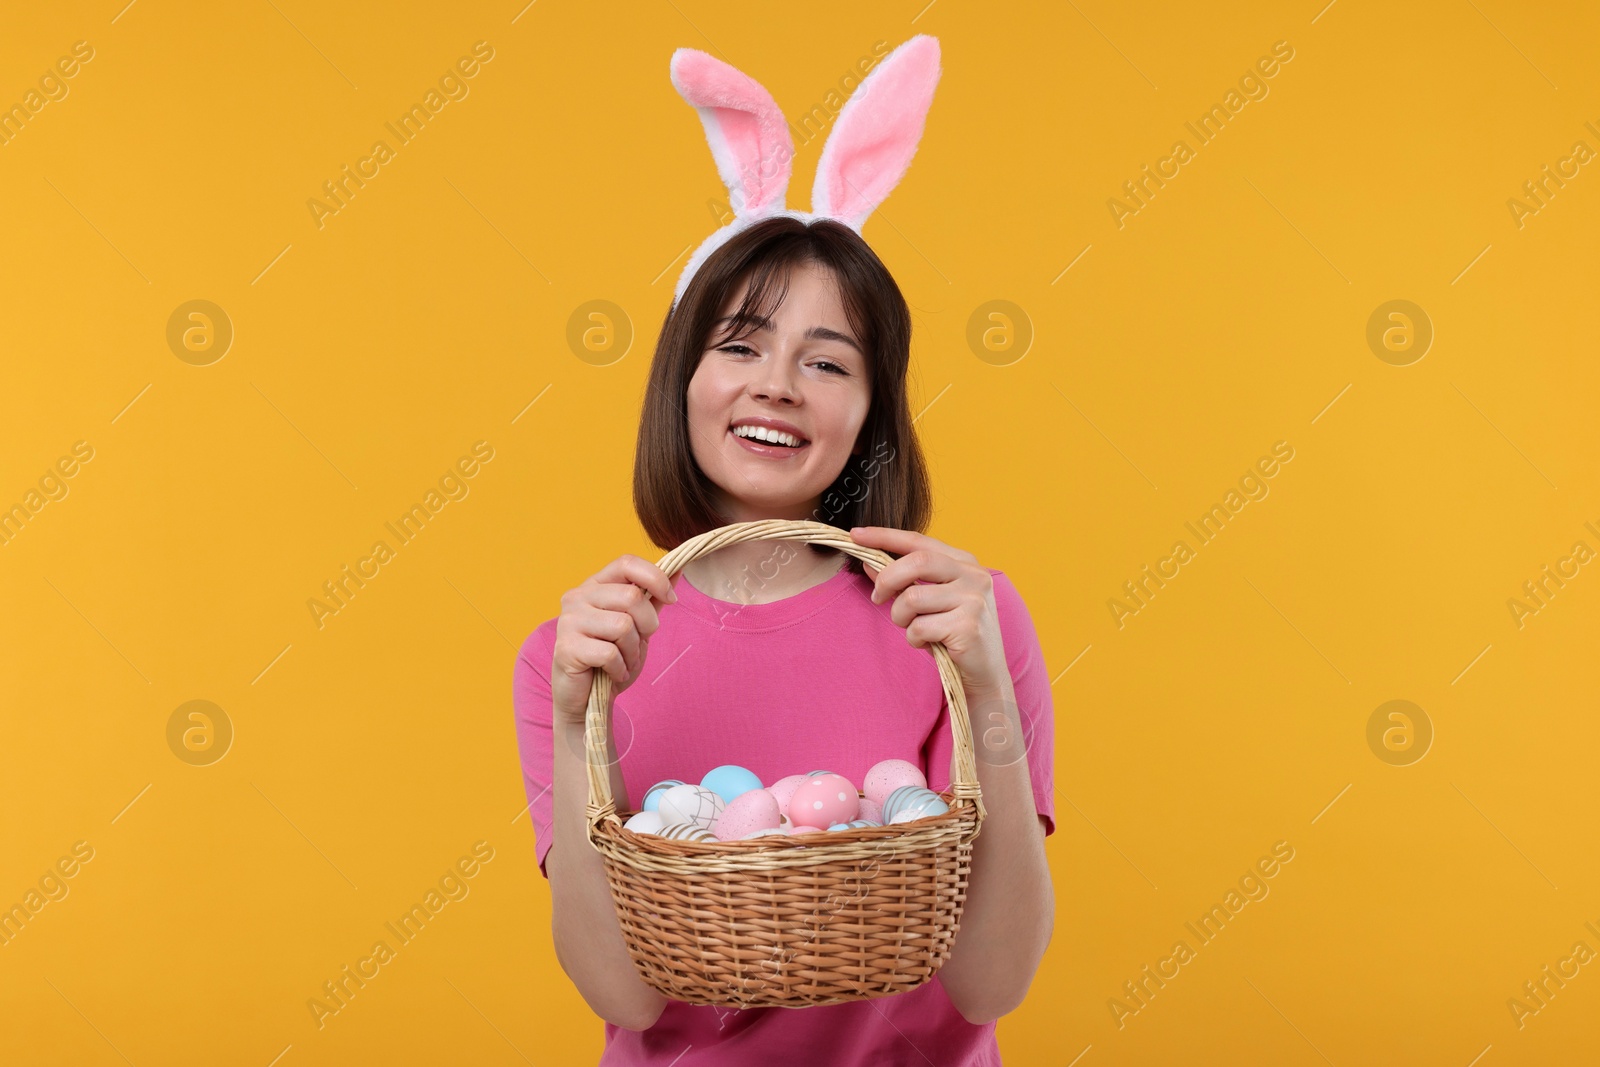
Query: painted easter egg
(690, 803)
(746, 813)
(823, 799)
(688, 831)
(807, 830)
(921, 803)
(645, 822)
(729, 781)
(784, 788)
(888, 775)
(854, 824)
(871, 809)
(771, 831)
(652, 796)
(912, 799)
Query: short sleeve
(535, 734)
(1031, 681)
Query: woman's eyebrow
(820, 333)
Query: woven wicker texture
(781, 921)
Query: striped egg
(912, 798)
(652, 796)
(688, 831)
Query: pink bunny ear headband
(865, 156)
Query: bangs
(768, 285)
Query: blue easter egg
(912, 798)
(896, 800)
(729, 781)
(934, 806)
(652, 796)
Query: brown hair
(885, 481)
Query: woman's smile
(769, 438)
(770, 451)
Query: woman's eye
(743, 350)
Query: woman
(782, 656)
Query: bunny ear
(877, 133)
(748, 135)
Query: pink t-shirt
(821, 679)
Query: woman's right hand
(606, 622)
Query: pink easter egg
(784, 788)
(888, 775)
(871, 809)
(807, 830)
(746, 813)
(824, 799)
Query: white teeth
(761, 433)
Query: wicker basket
(780, 921)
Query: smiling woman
(778, 390)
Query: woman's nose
(774, 380)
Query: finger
(625, 596)
(923, 564)
(925, 600)
(932, 629)
(613, 626)
(904, 541)
(602, 655)
(641, 572)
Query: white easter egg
(645, 822)
(690, 803)
(771, 831)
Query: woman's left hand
(941, 594)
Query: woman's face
(802, 371)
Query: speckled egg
(729, 781)
(690, 803)
(645, 822)
(888, 775)
(652, 796)
(824, 799)
(807, 830)
(746, 813)
(784, 788)
(871, 809)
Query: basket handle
(597, 718)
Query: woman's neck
(759, 572)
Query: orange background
(371, 753)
